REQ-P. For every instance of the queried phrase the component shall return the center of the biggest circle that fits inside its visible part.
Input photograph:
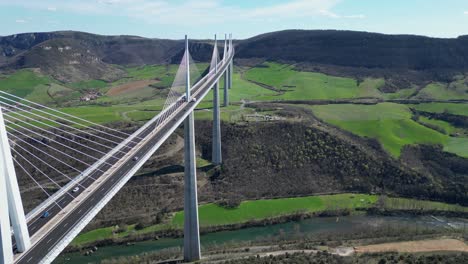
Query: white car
(194, 99)
(135, 158)
(75, 189)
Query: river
(305, 227)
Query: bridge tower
(216, 151)
(191, 225)
(226, 74)
(11, 206)
(231, 65)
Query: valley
(301, 141)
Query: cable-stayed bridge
(95, 161)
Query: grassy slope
(91, 84)
(103, 114)
(390, 123)
(446, 126)
(456, 90)
(458, 146)
(456, 109)
(310, 85)
(214, 215)
(25, 83)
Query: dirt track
(416, 246)
(130, 87)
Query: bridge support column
(216, 152)
(226, 87)
(191, 226)
(231, 69)
(226, 74)
(216, 144)
(15, 205)
(231, 65)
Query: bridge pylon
(231, 65)
(11, 206)
(216, 145)
(191, 225)
(226, 74)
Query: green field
(27, 84)
(451, 108)
(455, 90)
(445, 126)
(164, 73)
(303, 85)
(91, 84)
(106, 114)
(214, 215)
(390, 123)
(311, 86)
(458, 146)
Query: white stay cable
(72, 116)
(57, 143)
(57, 135)
(42, 151)
(54, 121)
(35, 167)
(32, 178)
(50, 166)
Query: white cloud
(189, 12)
(328, 13)
(20, 21)
(331, 14)
(466, 12)
(355, 16)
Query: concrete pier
(216, 144)
(191, 225)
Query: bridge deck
(48, 234)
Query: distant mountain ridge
(359, 49)
(73, 56)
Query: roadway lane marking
(29, 259)
(65, 225)
(80, 210)
(48, 241)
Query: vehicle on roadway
(45, 214)
(194, 99)
(135, 158)
(76, 189)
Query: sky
(201, 19)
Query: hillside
(358, 49)
(71, 56)
(74, 56)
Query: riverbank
(267, 212)
(319, 233)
